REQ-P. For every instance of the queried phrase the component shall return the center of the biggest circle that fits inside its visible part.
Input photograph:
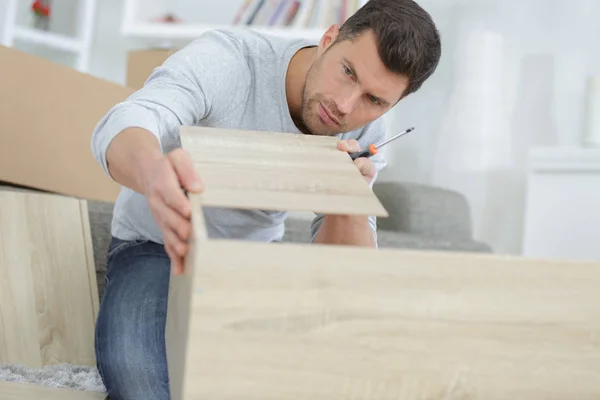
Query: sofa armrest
(424, 210)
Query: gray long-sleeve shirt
(228, 79)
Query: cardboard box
(140, 64)
(47, 117)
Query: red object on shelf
(40, 8)
(170, 18)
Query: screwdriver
(373, 148)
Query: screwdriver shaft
(393, 138)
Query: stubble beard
(309, 115)
(311, 119)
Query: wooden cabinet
(48, 290)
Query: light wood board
(21, 391)
(48, 290)
(296, 322)
(179, 305)
(277, 171)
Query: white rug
(60, 376)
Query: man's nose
(346, 101)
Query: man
(341, 86)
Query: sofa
(420, 217)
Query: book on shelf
(296, 14)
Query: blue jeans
(129, 338)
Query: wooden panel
(19, 341)
(297, 322)
(20, 391)
(179, 308)
(48, 294)
(86, 232)
(277, 171)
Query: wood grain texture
(179, 304)
(277, 171)
(48, 291)
(296, 322)
(86, 232)
(20, 391)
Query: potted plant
(41, 13)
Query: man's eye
(374, 99)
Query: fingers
(177, 265)
(366, 167)
(176, 260)
(177, 246)
(172, 195)
(170, 206)
(364, 164)
(185, 171)
(168, 218)
(176, 231)
(350, 145)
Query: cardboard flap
(47, 115)
(141, 63)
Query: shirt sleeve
(203, 80)
(375, 132)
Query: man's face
(348, 86)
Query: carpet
(60, 376)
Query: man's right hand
(163, 186)
(135, 160)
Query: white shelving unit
(563, 204)
(169, 31)
(139, 22)
(79, 45)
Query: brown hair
(408, 40)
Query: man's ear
(328, 38)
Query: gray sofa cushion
(100, 215)
(298, 230)
(424, 210)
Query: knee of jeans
(132, 375)
(131, 359)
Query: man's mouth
(327, 117)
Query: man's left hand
(364, 164)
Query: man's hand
(163, 187)
(135, 160)
(364, 165)
(349, 229)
